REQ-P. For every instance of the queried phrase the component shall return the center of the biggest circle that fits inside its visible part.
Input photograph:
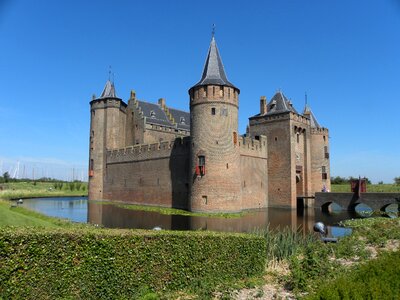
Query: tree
(6, 177)
(397, 180)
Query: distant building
(152, 154)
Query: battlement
(179, 146)
(320, 131)
(253, 146)
(108, 103)
(299, 118)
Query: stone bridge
(348, 201)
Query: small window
(323, 169)
(298, 138)
(213, 111)
(235, 138)
(205, 92)
(221, 91)
(152, 114)
(276, 139)
(182, 120)
(202, 160)
(213, 90)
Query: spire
(313, 120)
(109, 90)
(214, 72)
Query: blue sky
(55, 54)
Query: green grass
(21, 217)
(171, 211)
(17, 190)
(371, 188)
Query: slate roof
(109, 90)
(156, 115)
(214, 72)
(279, 104)
(182, 118)
(313, 120)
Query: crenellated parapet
(256, 147)
(321, 131)
(103, 103)
(299, 118)
(164, 149)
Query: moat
(79, 209)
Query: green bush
(109, 264)
(377, 279)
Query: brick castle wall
(151, 174)
(320, 159)
(254, 172)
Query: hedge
(378, 279)
(110, 264)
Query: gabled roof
(109, 90)
(280, 104)
(214, 72)
(313, 120)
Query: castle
(152, 154)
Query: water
(78, 209)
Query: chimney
(133, 95)
(263, 105)
(161, 102)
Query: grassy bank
(17, 190)
(372, 188)
(86, 262)
(22, 217)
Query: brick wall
(150, 174)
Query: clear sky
(55, 55)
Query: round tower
(107, 121)
(215, 183)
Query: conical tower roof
(313, 120)
(109, 90)
(214, 72)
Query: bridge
(348, 201)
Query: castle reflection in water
(113, 216)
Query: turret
(320, 162)
(107, 131)
(215, 183)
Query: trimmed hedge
(109, 264)
(377, 279)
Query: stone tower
(107, 131)
(214, 178)
(320, 166)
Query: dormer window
(182, 120)
(152, 114)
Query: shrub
(377, 279)
(105, 264)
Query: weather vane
(109, 73)
(305, 98)
(213, 30)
